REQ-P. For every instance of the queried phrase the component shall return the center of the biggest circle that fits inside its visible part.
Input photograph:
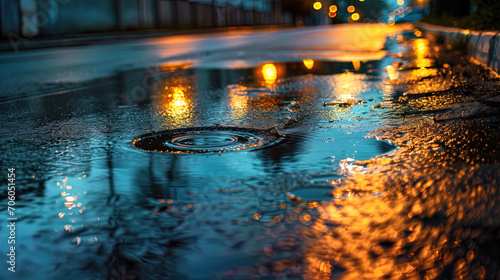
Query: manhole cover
(205, 139)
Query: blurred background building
(33, 18)
(58, 17)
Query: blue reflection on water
(90, 204)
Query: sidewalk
(483, 46)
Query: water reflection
(416, 67)
(308, 63)
(356, 64)
(393, 75)
(348, 85)
(157, 216)
(421, 48)
(269, 72)
(406, 233)
(175, 104)
(238, 101)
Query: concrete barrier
(9, 17)
(31, 18)
(249, 18)
(482, 49)
(183, 14)
(202, 15)
(82, 16)
(166, 17)
(495, 58)
(483, 46)
(471, 44)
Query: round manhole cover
(205, 139)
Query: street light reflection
(175, 104)
(269, 72)
(308, 63)
(421, 49)
(393, 75)
(372, 231)
(356, 64)
(238, 101)
(348, 85)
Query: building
(32, 18)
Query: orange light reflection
(308, 63)
(175, 103)
(238, 101)
(269, 72)
(393, 75)
(356, 64)
(421, 49)
(348, 85)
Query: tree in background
(454, 8)
(485, 15)
(488, 14)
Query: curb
(483, 46)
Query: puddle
(102, 209)
(313, 194)
(78, 164)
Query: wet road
(34, 72)
(244, 156)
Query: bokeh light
(333, 8)
(269, 72)
(317, 5)
(355, 16)
(308, 63)
(351, 9)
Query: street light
(317, 5)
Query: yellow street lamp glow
(333, 8)
(355, 16)
(351, 9)
(317, 5)
(401, 2)
(308, 63)
(269, 72)
(356, 64)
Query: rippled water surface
(92, 201)
(213, 172)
